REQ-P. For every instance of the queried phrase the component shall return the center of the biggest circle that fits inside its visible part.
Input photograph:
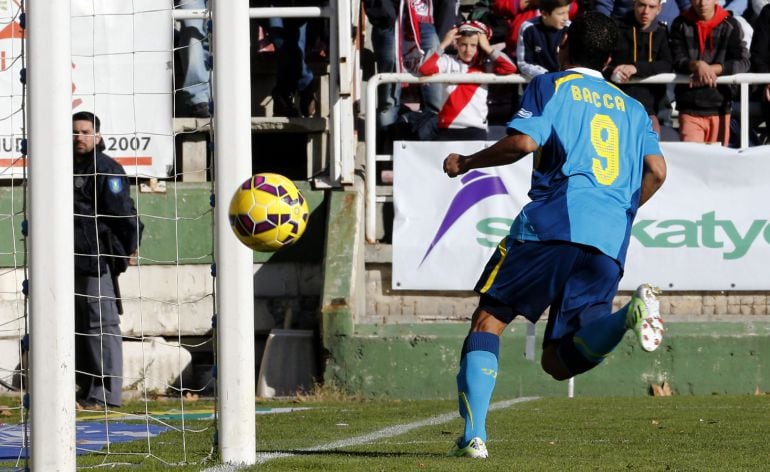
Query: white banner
(706, 229)
(121, 71)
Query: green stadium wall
(179, 219)
(410, 361)
(419, 361)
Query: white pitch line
(388, 432)
(384, 433)
(224, 468)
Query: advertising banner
(706, 229)
(121, 70)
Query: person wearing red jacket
(463, 114)
(706, 42)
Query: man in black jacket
(107, 233)
(642, 51)
(706, 42)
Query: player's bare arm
(506, 151)
(653, 177)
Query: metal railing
(272, 12)
(744, 80)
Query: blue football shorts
(525, 277)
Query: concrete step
(170, 301)
(154, 365)
(271, 124)
(306, 148)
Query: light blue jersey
(587, 174)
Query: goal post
(234, 261)
(52, 312)
(51, 241)
(62, 77)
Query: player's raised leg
(643, 316)
(582, 331)
(591, 344)
(580, 352)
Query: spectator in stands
(706, 42)
(194, 53)
(515, 12)
(754, 9)
(539, 38)
(740, 9)
(383, 15)
(760, 60)
(642, 51)
(463, 113)
(482, 11)
(669, 10)
(294, 93)
(402, 30)
(107, 234)
(618, 9)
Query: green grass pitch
(550, 434)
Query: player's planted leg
(475, 384)
(474, 449)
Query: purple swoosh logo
(476, 187)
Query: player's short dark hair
(88, 116)
(591, 36)
(547, 6)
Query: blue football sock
(476, 382)
(598, 338)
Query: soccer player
(596, 161)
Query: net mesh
(129, 59)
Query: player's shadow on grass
(338, 452)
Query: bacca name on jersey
(605, 100)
